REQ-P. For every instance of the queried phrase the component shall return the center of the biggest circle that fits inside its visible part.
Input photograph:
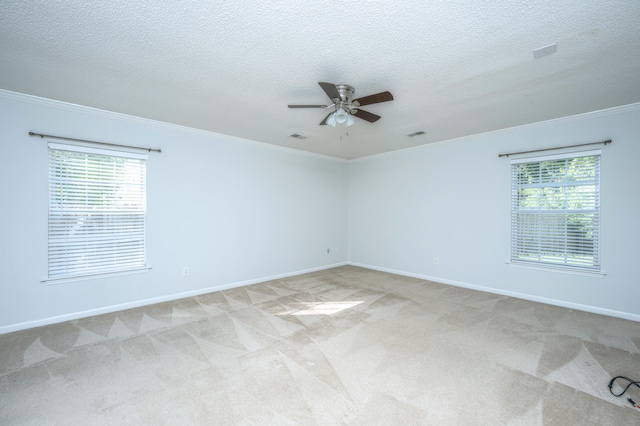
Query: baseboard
(555, 302)
(145, 302)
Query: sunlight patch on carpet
(321, 308)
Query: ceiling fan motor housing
(346, 95)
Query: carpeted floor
(341, 346)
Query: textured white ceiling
(454, 67)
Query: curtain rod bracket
(42, 136)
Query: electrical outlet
(185, 271)
(436, 261)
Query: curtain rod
(551, 149)
(101, 143)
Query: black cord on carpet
(631, 383)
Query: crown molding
(552, 122)
(23, 97)
(52, 103)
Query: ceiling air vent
(546, 50)
(297, 136)
(416, 134)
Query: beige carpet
(341, 346)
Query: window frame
(121, 213)
(516, 247)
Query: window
(97, 210)
(555, 211)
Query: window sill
(62, 280)
(522, 265)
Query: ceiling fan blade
(374, 99)
(366, 116)
(330, 89)
(323, 122)
(307, 106)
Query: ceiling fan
(345, 107)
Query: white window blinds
(97, 210)
(555, 211)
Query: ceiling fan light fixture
(350, 121)
(341, 115)
(331, 121)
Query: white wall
(238, 212)
(234, 211)
(451, 200)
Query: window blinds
(97, 210)
(555, 209)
